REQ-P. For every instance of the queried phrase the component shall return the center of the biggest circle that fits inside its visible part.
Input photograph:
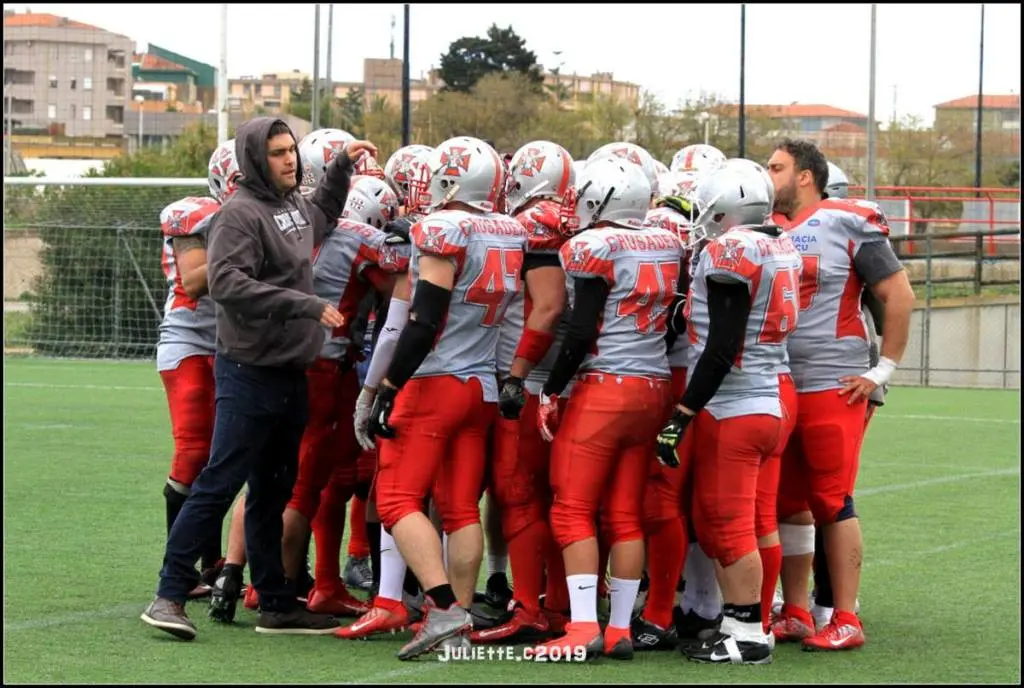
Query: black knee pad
(847, 512)
(173, 497)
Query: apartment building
(382, 78)
(64, 77)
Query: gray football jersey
(343, 268)
(833, 339)
(189, 326)
(543, 237)
(487, 252)
(770, 268)
(641, 266)
(668, 219)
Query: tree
(470, 58)
(101, 288)
(1009, 175)
(384, 127)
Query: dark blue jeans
(261, 415)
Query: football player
(845, 248)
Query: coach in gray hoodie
(270, 327)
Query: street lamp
(705, 119)
(140, 100)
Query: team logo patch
(455, 161)
(578, 257)
(532, 163)
(628, 154)
(431, 238)
(729, 254)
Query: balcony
(116, 86)
(116, 59)
(21, 106)
(115, 114)
(19, 77)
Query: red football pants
(728, 455)
(191, 400)
(329, 449)
(766, 517)
(820, 462)
(601, 456)
(441, 426)
(520, 476)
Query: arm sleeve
(728, 310)
(875, 261)
(233, 259)
(329, 197)
(398, 314)
(591, 296)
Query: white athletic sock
(741, 630)
(392, 568)
(623, 593)
(496, 564)
(583, 597)
(444, 552)
(701, 595)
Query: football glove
(380, 413)
(670, 437)
(511, 398)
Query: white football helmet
(540, 169)
(678, 184)
(751, 166)
(730, 197)
(317, 149)
(371, 202)
(368, 166)
(838, 185)
(609, 190)
(634, 154)
(224, 172)
(463, 169)
(699, 156)
(399, 168)
(660, 167)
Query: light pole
(139, 100)
(705, 119)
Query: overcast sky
(815, 53)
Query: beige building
(382, 77)
(64, 77)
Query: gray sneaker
(358, 574)
(170, 617)
(298, 621)
(438, 625)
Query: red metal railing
(933, 210)
(934, 223)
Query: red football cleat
(843, 632)
(386, 616)
(337, 601)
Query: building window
(87, 83)
(53, 81)
(51, 111)
(74, 83)
(88, 54)
(86, 112)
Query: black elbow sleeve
(429, 305)
(590, 299)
